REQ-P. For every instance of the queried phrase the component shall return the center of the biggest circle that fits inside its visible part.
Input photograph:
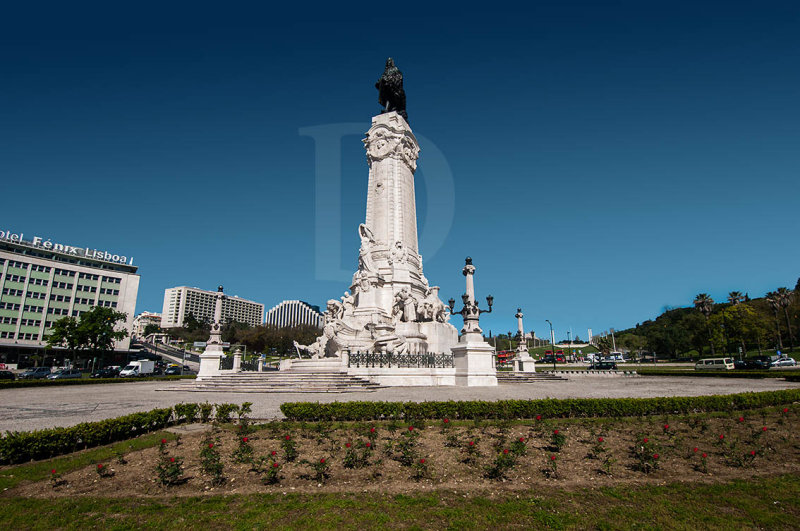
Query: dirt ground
(746, 450)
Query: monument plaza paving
(43, 407)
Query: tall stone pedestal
(524, 364)
(209, 362)
(474, 361)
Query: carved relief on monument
(384, 141)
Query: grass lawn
(772, 503)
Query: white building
(181, 301)
(294, 313)
(143, 320)
(43, 282)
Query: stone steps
(528, 377)
(280, 382)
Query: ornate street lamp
(470, 311)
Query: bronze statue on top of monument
(391, 95)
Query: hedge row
(13, 384)
(20, 447)
(522, 409)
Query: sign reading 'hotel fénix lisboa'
(48, 245)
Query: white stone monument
(473, 357)
(210, 358)
(390, 306)
(523, 362)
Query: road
(46, 407)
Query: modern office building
(179, 302)
(42, 282)
(294, 313)
(143, 320)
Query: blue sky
(607, 159)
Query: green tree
(784, 297)
(191, 323)
(98, 329)
(95, 331)
(151, 329)
(65, 333)
(705, 304)
(634, 343)
(604, 344)
(774, 304)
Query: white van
(722, 364)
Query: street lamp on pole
(552, 342)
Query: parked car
(106, 372)
(722, 364)
(6, 375)
(605, 365)
(549, 359)
(784, 362)
(172, 371)
(34, 373)
(760, 362)
(64, 374)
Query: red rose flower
(666, 427)
(372, 430)
(786, 410)
(522, 439)
(753, 452)
(645, 440)
(274, 452)
(505, 450)
(552, 458)
(655, 456)
(53, 471)
(538, 417)
(100, 466)
(244, 439)
(171, 459)
(411, 428)
(721, 436)
(369, 445)
(555, 432)
(600, 439)
(322, 460)
(472, 443)
(288, 438)
(764, 428)
(422, 461)
(274, 465)
(347, 445)
(163, 441)
(704, 455)
(695, 449)
(211, 445)
(446, 421)
(741, 419)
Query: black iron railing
(226, 363)
(251, 365)
(388, 359)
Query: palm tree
(735, 297)
(705, 304)
(772, 299)
(784, 300)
